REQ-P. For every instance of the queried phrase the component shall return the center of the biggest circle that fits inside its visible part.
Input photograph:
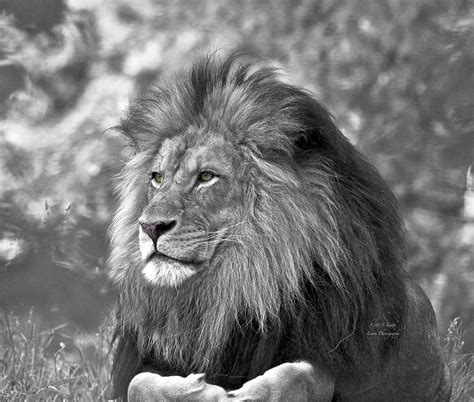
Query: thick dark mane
(321, 240)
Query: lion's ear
(128, 146)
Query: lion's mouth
(160, 257)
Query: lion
(258, 255)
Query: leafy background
(396, 74)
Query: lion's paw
(288, 381)
(146, 387)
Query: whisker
(217, 241)
(228, 227)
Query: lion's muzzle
(171, 251)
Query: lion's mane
(321, 239)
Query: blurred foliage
(397, 75)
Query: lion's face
(193, 200)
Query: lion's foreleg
(295, 382)
(147, 387)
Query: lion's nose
(156, 229)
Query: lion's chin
(167, 272)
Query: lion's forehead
(184, 155)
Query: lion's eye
(156, 179)
(206, 176)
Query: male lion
(255, 245)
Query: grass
(460, 364)
(37, 364)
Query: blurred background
(396, 74)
